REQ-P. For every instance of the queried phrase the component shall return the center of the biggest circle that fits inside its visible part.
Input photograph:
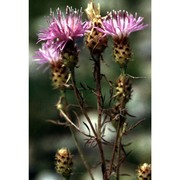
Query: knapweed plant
(60, 52)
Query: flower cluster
(65, 29)
(58, 48)
(60, 52)
(61, 29)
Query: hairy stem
(74, 136)
(119, 158)
(79, 100)
(119, 144)
(114, 149)
(80, 103)
(97, 77)
(81, 153)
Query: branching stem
(96, 134)
(74, 135)
(97, 77)
(79, 100)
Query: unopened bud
(144, 172)
(63, 164)
(123, 89)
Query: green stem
(114, 148)
(119, 144)
(119, 156)
(80, 152)
(67, 178)
(123, 70)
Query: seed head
(95, 40)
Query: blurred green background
(45, 138)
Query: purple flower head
(47, 54)
(63, 28)
(121, 24)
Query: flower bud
(123, 89)
(144, 172)
(63, 164)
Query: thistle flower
(62, 32)
(63, 162)
(50, 55)
(119, 25)
(63, 28)
(47, 54)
